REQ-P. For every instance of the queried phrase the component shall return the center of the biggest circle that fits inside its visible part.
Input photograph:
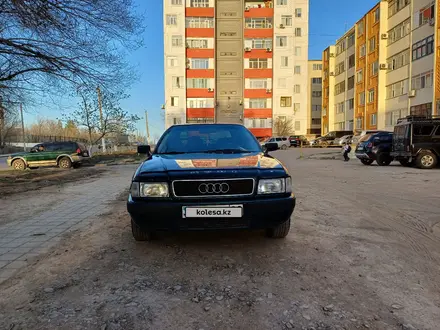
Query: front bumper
(9, 161)
(365, 155)
(258, 213)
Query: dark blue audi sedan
(209, 177)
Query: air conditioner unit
(412, 93)
(384, 36)
(247, 8)
(384, 66)
(210, 89)
(188, 66)
(281, 26)
(332, 54)
(332, 74)
(247, 49)
(432, 22)
(268, 50)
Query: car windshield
(365, 138)
(209, 138)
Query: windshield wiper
(226, 151)
(173, 153)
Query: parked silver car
(343, 140)
(282, 141)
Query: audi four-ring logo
(213, 188)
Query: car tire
(19, 165)
(284, 147)
(367, 161)
(324, 144)
(279, 231)
(406, 163)
(65, 163)
(139, 234)
(426, 160)
(383, 160)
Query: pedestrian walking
(347, 150)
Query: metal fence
(42, 138)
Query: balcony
(261, 132)
(258, 73)
(258, 9)
(258, 113)
(200, 73)
(200, 92)
(199, 11)
(257, 93)
(200, 112)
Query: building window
(317, 81)
(176, 2)
(317, 67)
(423, 48)
(258, 103)
(350, 83)
(362, 98)
(399, 60)
(199, 63)
(372, 45)
(351, 40)
(392, 117)
(340, 68)
(259, 23)
(339, 107)
(171, 19)
(316, 94)
(282, 82)
(258, 84)
(361, 28)
(371, 96)
(258, 122)
(284, 61)
(423, 80)
(297, 125)
(350, 104)
(425, 15)
(198, 83)
(298, 12)
(399, 31)
(359, 76)
(177, 82)
(316, 107)
(281, 41)
(358, 123)
(397, 89)
(362, 51)
(199, 3)
(395, 6)
(297, 51)
(316, 121)
(421, 110)
(376, 15)
(197, 43)
(340, 47)
(351, 61)
(296, 107)
(286, 101)
(172, 61)
(297, 89)
(298, 32)
(373, 119)
(286, 20)
(297, 69)
(199, 22)
(374, 68)
(258, 63)
(176, 41)
(199, 103)
(174, 101)
(200, 120)
(260, 43)
(340, 88)
(281, 2)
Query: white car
(282, 141)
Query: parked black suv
(375, 147)
(417, 141)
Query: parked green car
(62, 154)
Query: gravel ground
(363, 253)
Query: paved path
(21, 240)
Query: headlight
(154, 189)
(149, 189)
(275, 186)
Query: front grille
(221, 223)
(213, 188)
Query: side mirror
(144, 149)
(270, 147)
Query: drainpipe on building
(346, 82)
(367, 71)
(410, 62)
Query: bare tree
(115, 120)
(283, 126)
(9, 121)
(53, 42)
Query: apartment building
(315, 98)
(395, 67)
(237, 61)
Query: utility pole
(2, 123)
(22, 127)
(148, 127)
(100, 115)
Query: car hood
(208, 162)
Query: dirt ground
(363, 253)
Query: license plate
(227, 211)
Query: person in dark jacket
(347, 150)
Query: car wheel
(18, 165)
(65, 162)
(284, 147)
(139, 234)
(324, 144)
(383, 160)
(366, 161)
(406, 163)
(426, 160)
(280, 231)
